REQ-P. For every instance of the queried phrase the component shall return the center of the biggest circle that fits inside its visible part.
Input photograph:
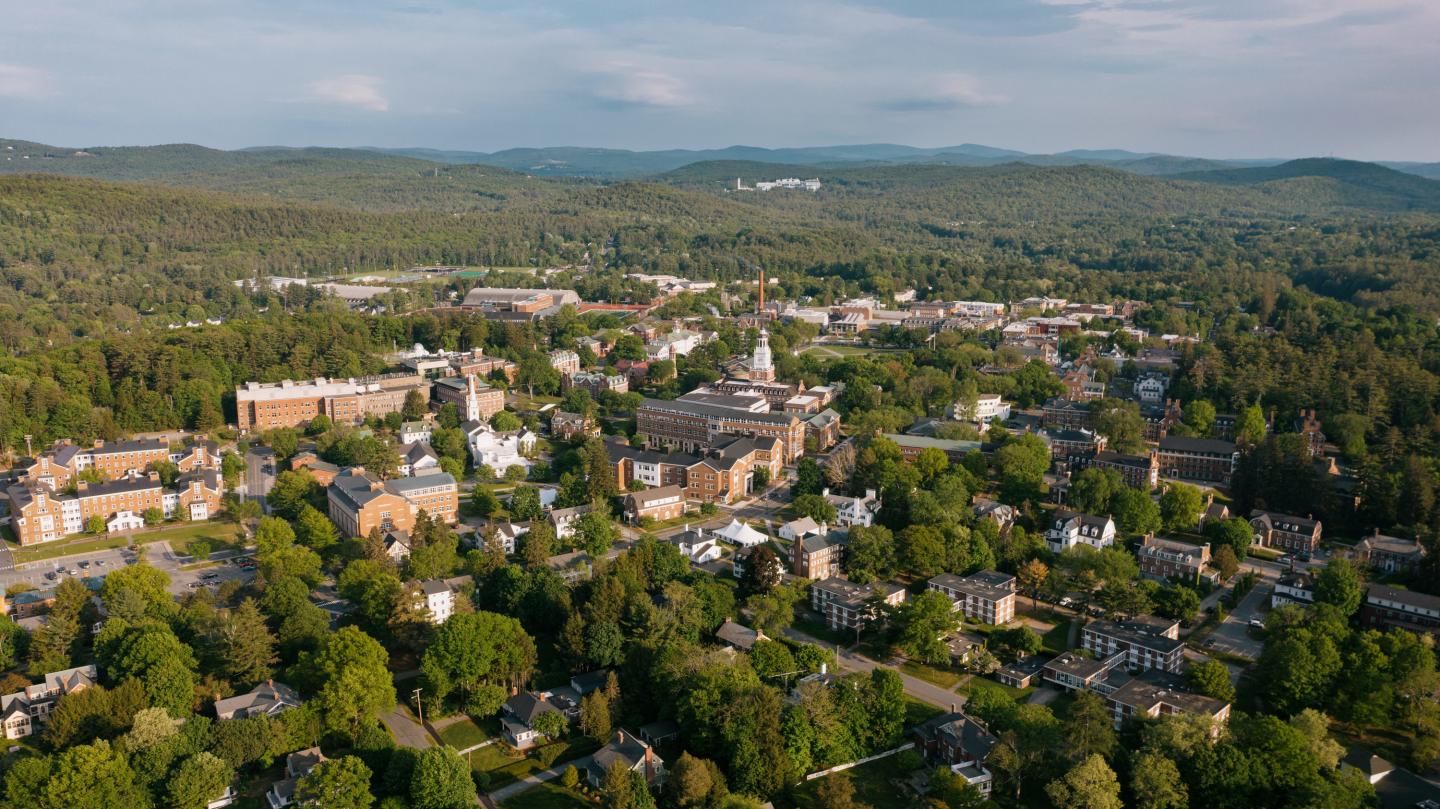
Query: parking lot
(96, 564)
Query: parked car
(1257, 623)
(84, 564)
(99, 562)
(51, 576)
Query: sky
(1211, 78)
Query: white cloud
(351, 90)
(624, 82)
(24, 83)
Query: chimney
(953, 708)
(620, 734)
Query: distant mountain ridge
(616, 164)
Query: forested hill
(1022, 191)
(347, 177)
(1349, 182)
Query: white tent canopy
(738, 533)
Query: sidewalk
(927, 693)
(531, 780)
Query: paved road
(928, 693)
(407, 732)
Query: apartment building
(847, 605)
(437, 599)
(819, 556)
(263, 406)
(695, 426)
(1147, 643)
(359, 502)
(1204, 459)
(987, 597)
(41, 515)
(1285, 532)
(726, 473)
(1166, 559)
(1143, 697)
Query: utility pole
(29, 453)
(419, 706)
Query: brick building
(1166, 559)
(1138, 471)
(263, 406)
(847, 605)
(694, 426)
(819, 556)
(1147, 644)
(1203, 459)
(359, 502)
(987, 597)
(662, 503)
(1285, 532)
(41, 515)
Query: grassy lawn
(223, 534)
(504, 769)
(1018, 694)
(463, 734)
(1263, 552)
(546, 796)
(944, 678)
(917, 711)
(873, 787)
(816, 628)
(1057, 639)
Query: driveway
(532, 780)
(1233, 636)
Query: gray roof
(742, 637)
(697, 409)
(402, 485)
(1178, 443)
(266, 698)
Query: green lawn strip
(917, 711)
(546, 796)
(1018, 694)
(504, 769)
(941, 677)
(463, 734)
(1057, 639)
(874, 786)
(223, 535)
(817, 629)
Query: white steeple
(762, 366)
(472, 398)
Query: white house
(988, 407)
(125, 521)
(850, 511)
(677, 343)
(417, 458)
(1071, 528)
(1151, 388)
(696, 547)
(439, 600)
(800, 529)
(498, 450)
(738, 533)
(415, 432)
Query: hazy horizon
(1204, 78)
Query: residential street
(919, 689)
